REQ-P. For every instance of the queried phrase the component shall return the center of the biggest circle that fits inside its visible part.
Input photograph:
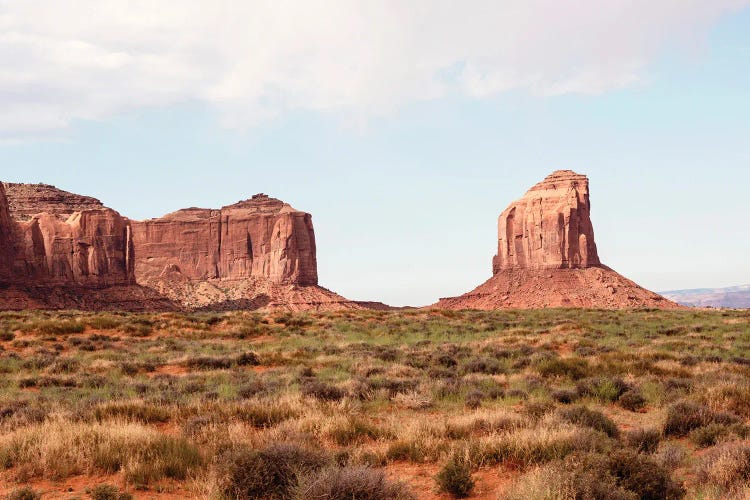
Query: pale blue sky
(404, 188)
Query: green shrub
(573, 368)
(604, 389)
(580, 415)
(455, 477)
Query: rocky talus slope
(547, 256)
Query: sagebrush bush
(632, 400)
(350, 483)
(643, 476)
(686, 416)
(25, 493)
(606, 389)
(709, 435)
(725, 466)
(108, 492)
(269, 473)
(564, 396)
(643, 440)
(622, 475)
(455, 477)
(573, 368)
(579, 476)
(580, 415)
(322, 391)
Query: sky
(405, 128)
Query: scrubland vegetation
(548, 404)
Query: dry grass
(568, 404)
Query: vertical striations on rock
(547, 256)
(60, 249)
(257, 238)
(59, 238)
(549, 227)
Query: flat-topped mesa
(549, 227)
(27, 200)
(58, 238)
(260, 237)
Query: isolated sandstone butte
(260, 237)
(549, 227)
(547, 256)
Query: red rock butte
(547, 256)
(63, 250)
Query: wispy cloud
(89, 59)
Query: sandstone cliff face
(7, 250)
(62, 250)
(70, 246)
(549, 227)
(92, 248)
(547, 256)
(261, 237)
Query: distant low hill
(734, 297)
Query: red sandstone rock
(93, 248)
(7, 250)
(549, 227)
(260, 237)
(547, 256)
(69, 251)
(26, 200)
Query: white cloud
(61, 61)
